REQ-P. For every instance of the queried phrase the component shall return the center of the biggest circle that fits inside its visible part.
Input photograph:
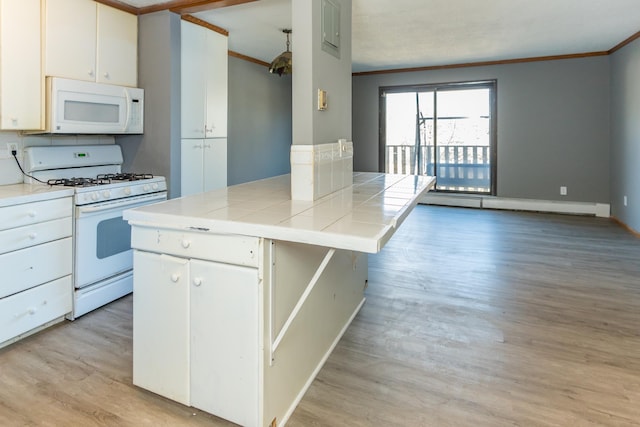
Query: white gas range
(102, 254)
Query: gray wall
(259, 127)
(158, 150)
(314, 69)
(625, 134)
(553, 124)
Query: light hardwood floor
(473, 318)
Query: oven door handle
(125, 202)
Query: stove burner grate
(125, 176)
(101, 179)
(78, 182)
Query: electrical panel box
(331, 27)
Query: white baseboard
(491, 202)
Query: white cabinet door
(203, 165)
(225, 350)
(21, 83)
(117, 47)
(161, 325)
(70, 39)
(193, 88)
(204, 74)
(215, 164)
(191, 165)
(216, 83)
(90, 41)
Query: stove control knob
(106, 194)
(127, 191)
(145, 187)
(94, 196)
(154, 186)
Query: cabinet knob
(32, 214)
(197, 281)
(175, 277)
(90, 73)
(33, 235)
(32, 310)
(186, 244)
(106, 75)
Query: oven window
(91, 112)
(113, 237)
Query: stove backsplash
(9, 172)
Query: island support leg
(311, 295)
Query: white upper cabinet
(85, 40)
(70, 39)
(21, 85)
(204, 82)
(117, 47)
(216, 82)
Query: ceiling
(422, 33)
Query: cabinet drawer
(34, 234)
(34, 307)
(230, 249)
(32, 213)
(32, 266)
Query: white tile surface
(26, 193)
(360, 217)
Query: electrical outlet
(563, 191)
(12, 146)
(624, 200)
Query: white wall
(9, 171)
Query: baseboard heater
(491, 202)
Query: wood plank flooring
(473, 318)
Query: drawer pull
(197, 281)
(32, 214)
(33, 235)
(186, 244)
(175, 277)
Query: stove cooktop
(101, 179)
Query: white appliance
(103, 259)
(80, 107)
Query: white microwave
(80, 107)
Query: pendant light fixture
(282, 63)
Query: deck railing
(460, 167)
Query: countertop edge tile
(171, 215)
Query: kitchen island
(241, 294)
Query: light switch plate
(322, 100)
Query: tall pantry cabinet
(204, 77)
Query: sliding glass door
(446, 130)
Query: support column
(322, 153)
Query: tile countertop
(16, 194)
(362, 217)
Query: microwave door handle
(127, 97)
